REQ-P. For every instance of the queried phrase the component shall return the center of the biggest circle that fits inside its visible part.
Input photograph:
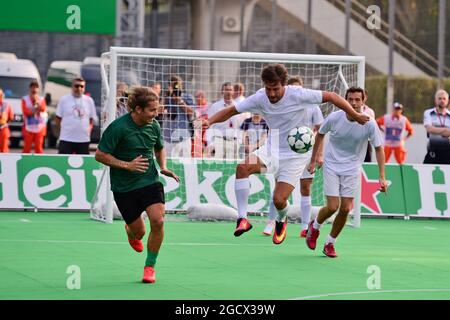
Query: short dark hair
(141, 96)
(176, 78)
(78, 79)
(295, 79)
(226, 84)
(34, 83)
(273, 73)
(353, 90)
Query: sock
(305, 211)
(330, 239)
(151, 258)
(272, 211)
(242, 191)
(282, 214)
(316, 225)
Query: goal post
(206, 71)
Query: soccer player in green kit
(127, 147)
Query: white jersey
(347, 146)
(75, 114)
(314, 117)
(224, 129)
(289, 112)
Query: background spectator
(394, 127)
(238, 97)
(177, 119)
(295, 81)
(75, 116)
(201, 109)
(437, 122)
(156, 87)
(6, 115)
(222, 137)
(35, 118)
(255, 131)
(239, 90)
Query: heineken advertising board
(69, 182)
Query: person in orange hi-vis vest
(6, 115)
(394, 127)
(35, 117)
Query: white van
(15, 78)
(59, 79)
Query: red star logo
(369, 191)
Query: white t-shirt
(347, 146)
(314, 117)
(75, 114)
(289, 112)
(227, 129)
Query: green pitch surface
(203, 260)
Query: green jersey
(125, 140)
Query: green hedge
(415, 94)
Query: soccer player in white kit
(344, 155)
(314, 118)
(283, 108)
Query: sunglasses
(78, 86)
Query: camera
(177, 91)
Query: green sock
(151, 258)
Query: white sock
(330, 239)
(282, 214)
(242, 191)
(305, 211)
(272, 211)
(316, 225)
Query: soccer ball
(301, 139)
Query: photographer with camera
(177, 119)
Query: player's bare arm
(343, 104)
(139, 164)
(319, 158)
(220, 116)
(317, 150)
(379, 151)
(160, 156)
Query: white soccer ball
(301, 139)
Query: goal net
(206, 160)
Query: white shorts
(285, 170)
(306, 174)
(335, 185)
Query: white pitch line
(24, 220)
(125, 243)
(429, 228)
(367, 292)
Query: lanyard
(439, 117)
